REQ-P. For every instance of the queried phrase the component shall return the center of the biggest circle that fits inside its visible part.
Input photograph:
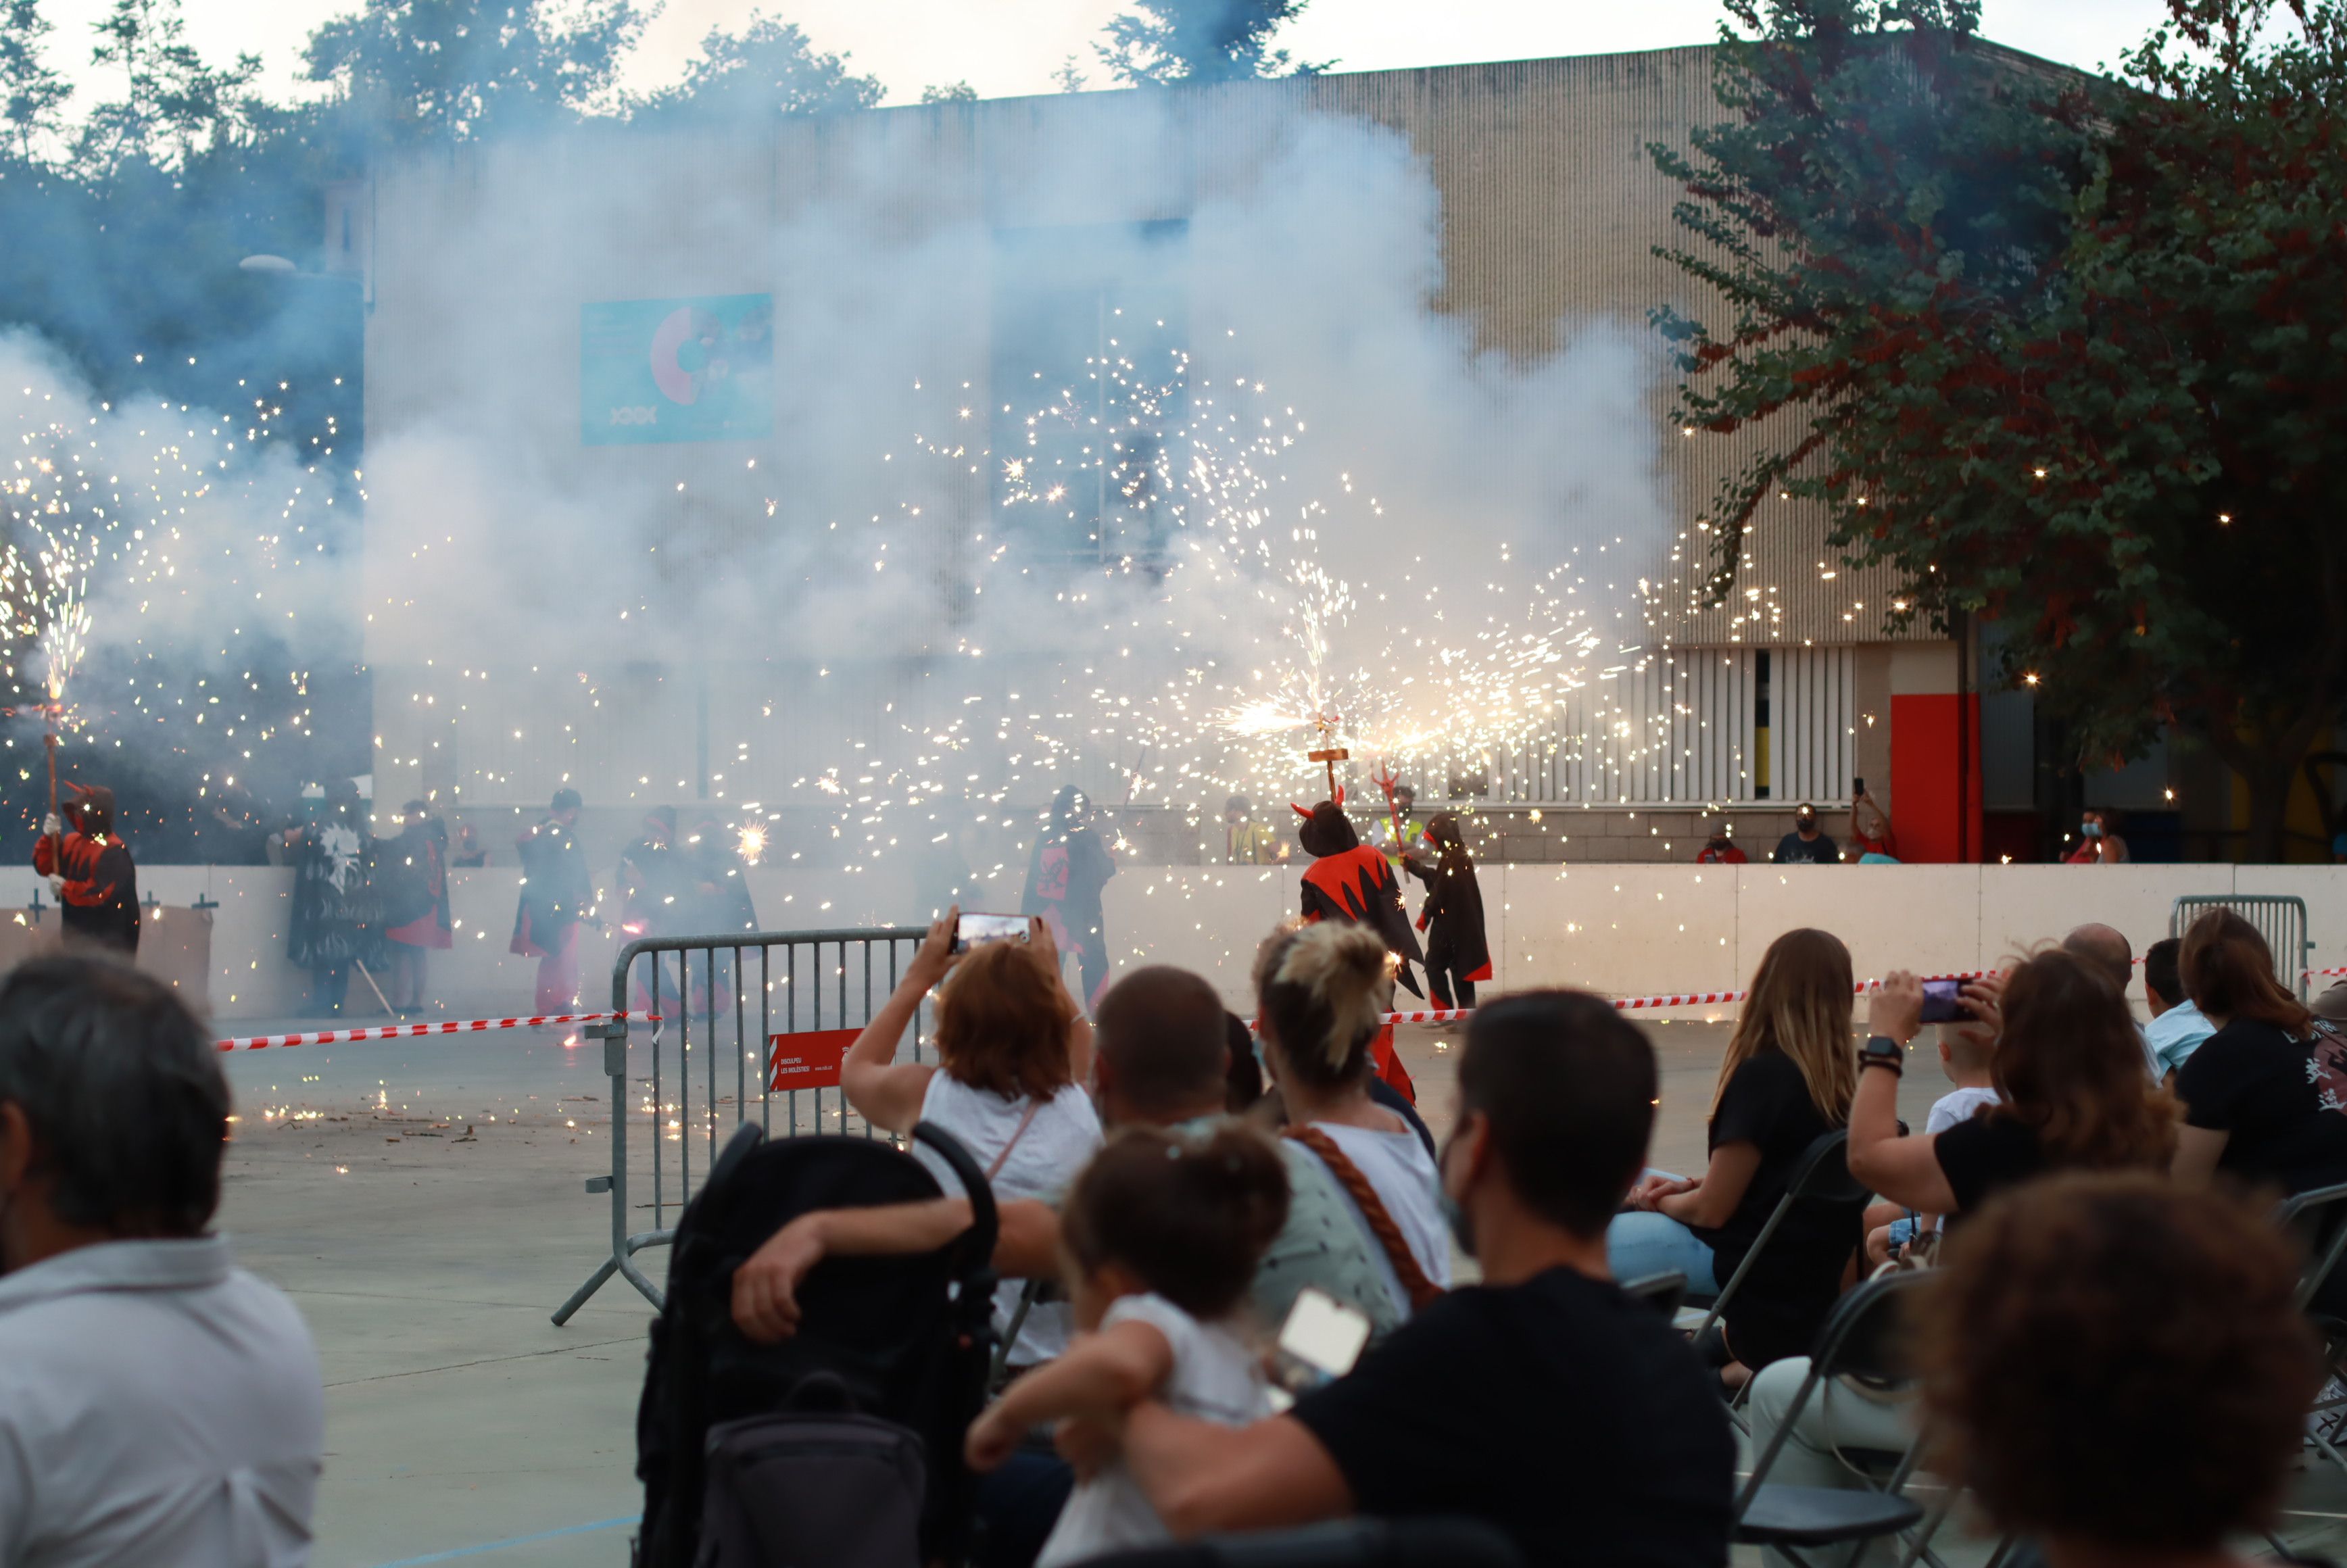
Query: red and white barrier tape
(409, 1030)
(1676, 999)
(2312, 974)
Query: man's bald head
(2105, 948)
(1159, 1034)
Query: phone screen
(1323, 1333)
(977, 930)
(1943, 1001)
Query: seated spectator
(1805, 845)
(2177, 1028)
(1785, 1082)
(2265, 1097)
(2107, 948)
(1012, 1050)
(1968, 1058)
(2068, 1065)
(2085, 1418)
(1542, 1400)
(1720, 849)
(158, 1404)
(1163, 1232)
(1243, 1069)
(1163, 1062)
(1320, 990)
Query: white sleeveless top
(1057, 1143)
(1402, 1174)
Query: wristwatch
(1881, 1051)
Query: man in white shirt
(2176, 1027)
(159, 1406)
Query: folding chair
(1859, 1341)
(1663, 1291)
(1821, 1177)
(2318, 1217)
(1340, 1543)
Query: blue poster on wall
(676, 370)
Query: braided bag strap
(1414, 1283)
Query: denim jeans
(1638, 1243)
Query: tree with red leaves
(2065, 351)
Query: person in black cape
(1350, 881)
(556, 893)
(335, 923)
(1457, 952)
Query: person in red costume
(90, 870)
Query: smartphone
(977, 930)
(1319, 1343)
(1943, 1001)
(1857, 788)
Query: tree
(2056, 348)
(951, 93)
(172, 102)
(1161, 42)
(446, 70)
(767, 69)
(1069, 78)
(31, 94)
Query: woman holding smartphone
(1013, 1052)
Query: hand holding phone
(1944, 1002)
(1319, 1343)
(977, 930)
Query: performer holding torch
(90, 869)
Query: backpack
(819, 1483)
(886, 1371)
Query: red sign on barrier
(809, 1061)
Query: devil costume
(1457, 951)
(99, 897)
(1348, 880)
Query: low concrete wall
(1619, 929)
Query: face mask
(2091, 829)
(1462, 1224)
(1717, 844)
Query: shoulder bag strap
(1387, 1235)
(1033, 1106)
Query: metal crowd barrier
(719, 997)
(2280, 919)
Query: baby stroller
(860, 1415)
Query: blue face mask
(1462, 1224)
(2091, 829)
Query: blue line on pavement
(518, 1541)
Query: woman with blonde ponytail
(1788, 1079)
(1319, 994)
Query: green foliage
(2059, 350)
(412, 71)
(32, 96)
(767, 69)
(173, 103)
(1161, 42)
(951, 93)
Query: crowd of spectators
(2109, 1355)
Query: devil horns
(1306, 814)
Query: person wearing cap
(1720, 849)
(1807, 845)
(1247, 842)
(556, 894)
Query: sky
(1006, 47)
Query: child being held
(1968, 1056)
(1163, 1234)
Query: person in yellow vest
(1247, 842)
(1398, 835)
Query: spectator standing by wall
(1247, 842)
(1870, 828)
(336, 917)
(1785, 1082)
(2177, 1028)
(1807, 845)
(1458, 954)
(412, 871)
(2099, 842)
(1541, 1399)
(556, 894)
(158, 1404)
(1720, 848)
(1013, 1051)
(1066, 873)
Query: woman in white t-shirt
(1163, 1232)
(1319, 992)
(1012, 1053)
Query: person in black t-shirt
(2069, 1065)
(1785, 1082)
(1542, 1400)
(1807, 845)
(2265, 1097)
